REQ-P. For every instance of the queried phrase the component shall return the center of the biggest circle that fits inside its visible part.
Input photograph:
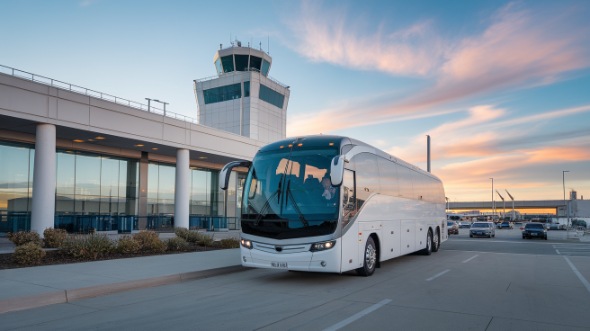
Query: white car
(482, 229)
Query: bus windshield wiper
(267, 202)
(289, 196)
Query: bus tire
(435, 241)
(369, 260)
(428, 249)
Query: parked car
(453, 227)
(464, 225)
(534, 230)
(506, 225)
(482, 229)
(556, 226)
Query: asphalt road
(502, 283)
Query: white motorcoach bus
(335, 204)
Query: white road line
(358, 315)
(557, 251)
(471, 258)
(438, 275)
(580, 276)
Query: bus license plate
(281, 265)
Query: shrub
(150, 242)
(203, 239)
(177, 244)
(54, 238)
(230, 243)
(182, 233)
(25, 237)
(91, 246)
(28, 254)
(128, 245)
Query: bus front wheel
(370, 259)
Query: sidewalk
(32, 287)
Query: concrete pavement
(32, 287)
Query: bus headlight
(246, 243)
(322, 246)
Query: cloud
(519, 48)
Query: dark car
(534, 230)
(506, 225)
(453, 227)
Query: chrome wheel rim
(370, 256)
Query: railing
(77, 223)
(92, 93)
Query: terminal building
(83, 160)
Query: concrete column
(143, 191)
(44, 179)
(182, 189)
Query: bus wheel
(429, 242)
(370, 260)
(435, 241)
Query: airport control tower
(242, 98)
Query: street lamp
(163, 103)
(492, 197)
(564, 203)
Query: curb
(65, 296)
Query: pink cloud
(519, 48)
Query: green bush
(230, 243)
(150, 242)
(128, 245)
(93, 246)
(25, 237)
(28, 254)
(54, 238)
(177, 244)
(203, 239)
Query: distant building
(242, 98)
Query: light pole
(492, 197)
(163, 103)
(564, 203)
(148, 99)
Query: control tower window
(223, 93)
(228, 63)
(271, 96)
(265, 67)
(218, 66)
(246, 89)
(241, 62)
(255, 63)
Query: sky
(501, 87)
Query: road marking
(358, 315)
(557, 251)
(471, 258)
(580, 276)
(438, 275)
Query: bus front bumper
(320, 261)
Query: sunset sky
(502, 87)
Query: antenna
(268, 44)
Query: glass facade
(271, 96)
(95, 191)
(228, 63)
(16, 186)
(265, 67)
(241, 62)
(222, 93)
(101, 193)
(246, 89)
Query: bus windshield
(288, 194)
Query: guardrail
(92, 93)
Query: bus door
(350, 241)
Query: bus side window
(348, 196)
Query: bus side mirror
(337, 170)
(226, 172)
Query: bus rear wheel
(435, 241)
(370, 259)
(429, 242)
